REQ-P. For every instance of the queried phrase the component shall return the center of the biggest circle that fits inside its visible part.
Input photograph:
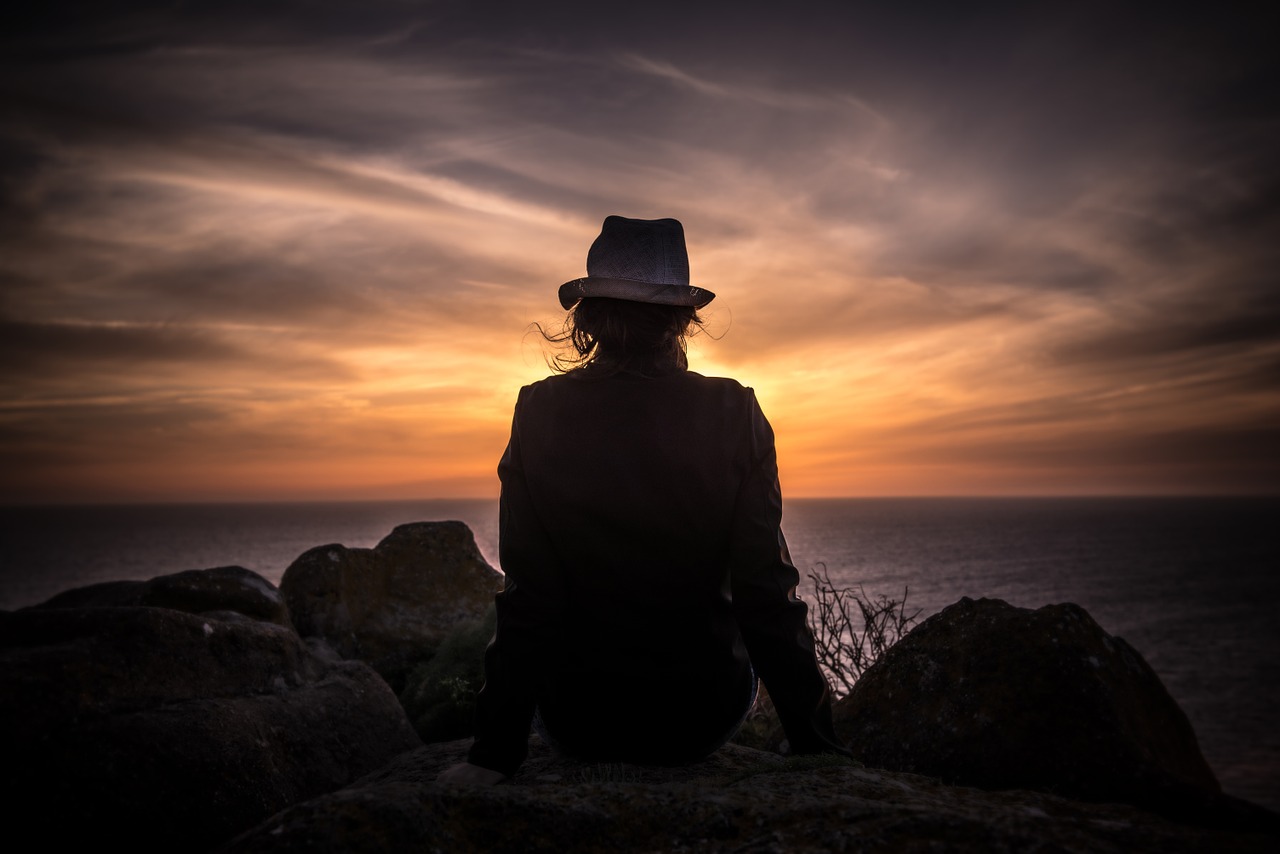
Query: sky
(293, 251)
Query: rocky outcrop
(739, 799)
(223, 592)
(162, 729)
(986, 694)
(390, 606)
(175, 713)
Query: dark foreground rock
(176, 713)
(155, 728)
(986, 694)
(737, 800)
(390, 606)
(223, 593)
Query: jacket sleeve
(529, 611)
(773, 622)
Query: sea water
(1191, 583)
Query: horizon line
(185, 502)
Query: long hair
(603, 337)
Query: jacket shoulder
(542, 388)
(727, 384)
(686, 388)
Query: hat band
(633, 290)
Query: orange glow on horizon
(281, 305)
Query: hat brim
(629, 289)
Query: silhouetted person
(647, 579)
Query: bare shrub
(845, 652)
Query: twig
(843, 651)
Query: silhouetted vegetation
(844, 650)
(835, 613)
(440, 696)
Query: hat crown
(642, 250)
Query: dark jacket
(640, 534)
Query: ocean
(1191, 583)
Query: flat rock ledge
(739, 799)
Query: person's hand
(466, 774)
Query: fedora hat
(642, 260)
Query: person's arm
(773, 622)
(529, 611)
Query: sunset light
(960, 534)
(306, 265)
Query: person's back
(631, 486)
(641, 539)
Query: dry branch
(843, 650)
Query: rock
(738, 799)
(153, 728)
(224, 590)
(986, 694)
(390, 606)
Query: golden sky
(251, 254)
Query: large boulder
(392, 605)
(154, 728)
(738, 799)
(222, 592)
(986, 694)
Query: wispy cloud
(778, 99)
(253, 256)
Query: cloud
(786, 101)
(1188, 332)
(36, 343)
(242, 240)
